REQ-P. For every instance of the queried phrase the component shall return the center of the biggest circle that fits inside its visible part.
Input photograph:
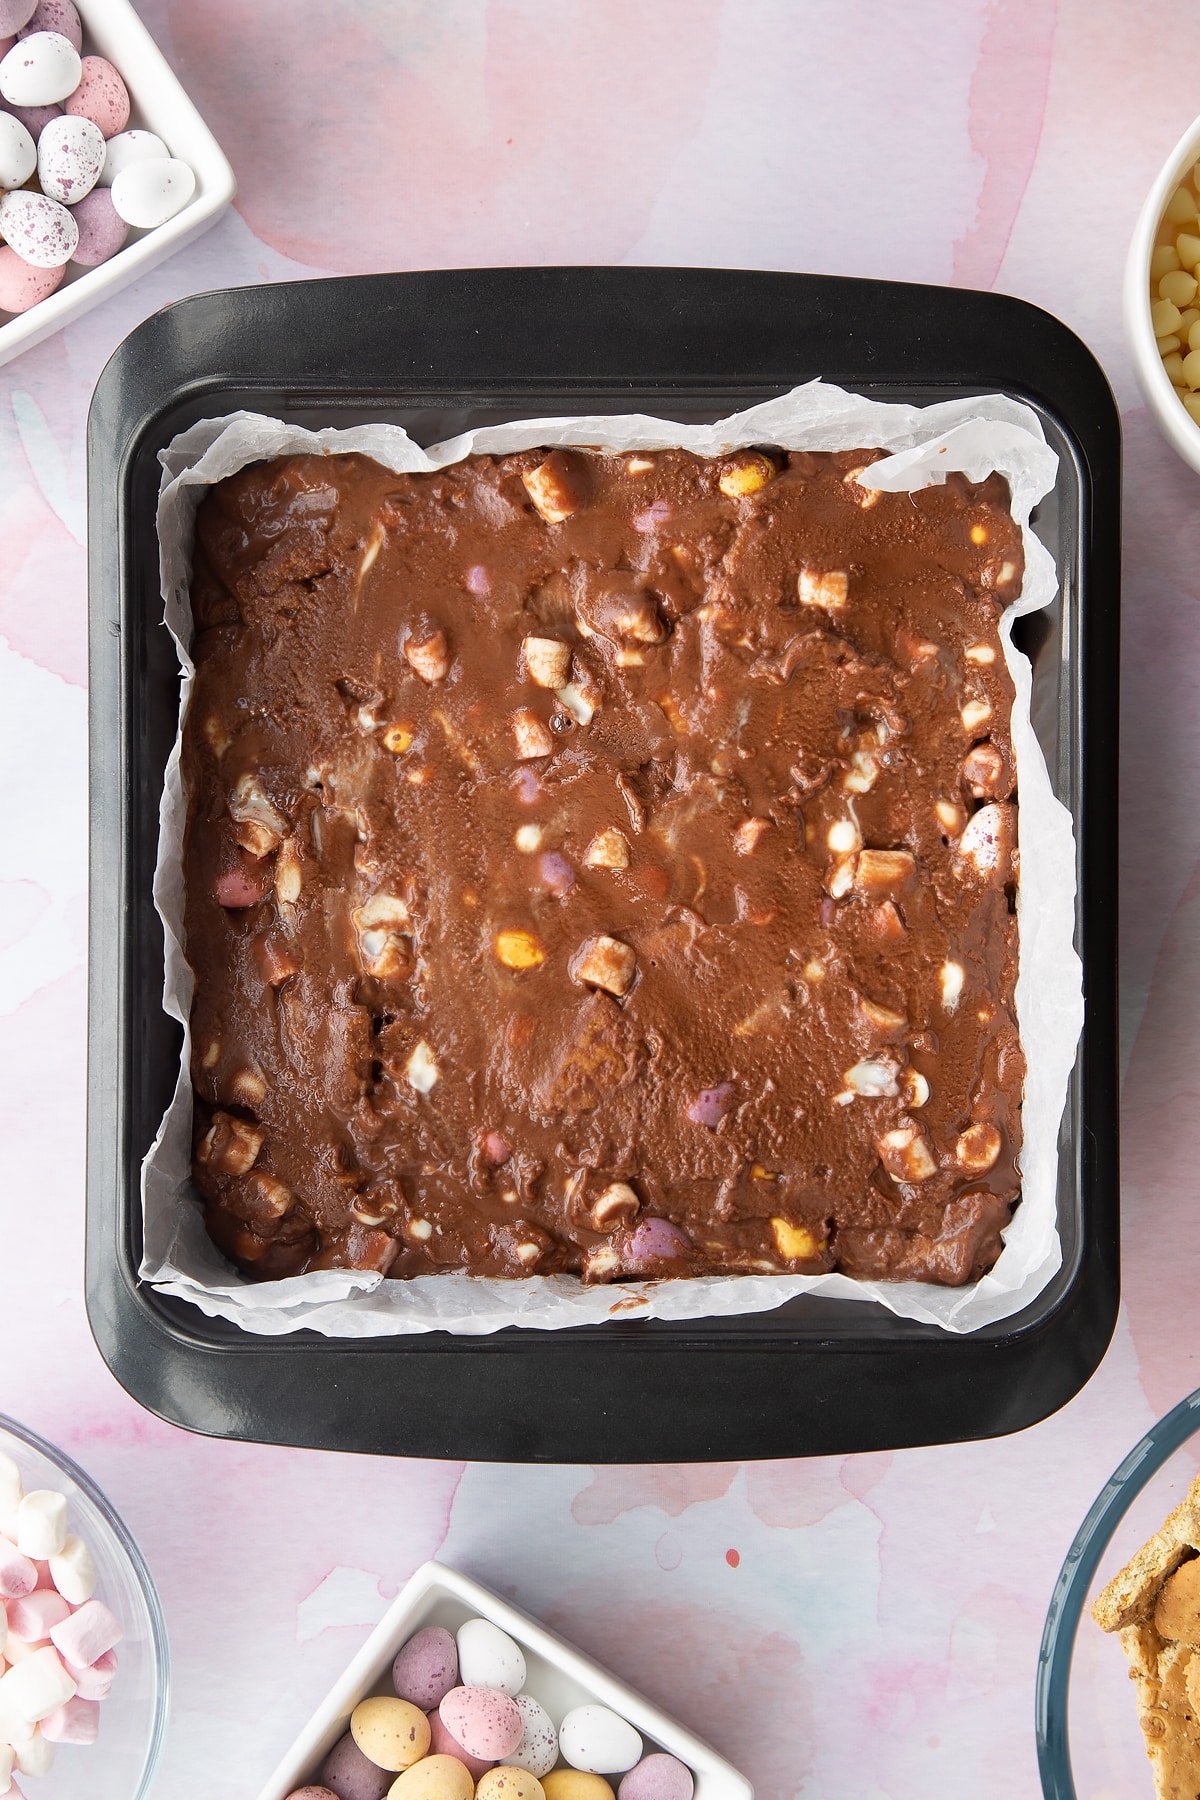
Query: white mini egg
(38, 229)
(147, 194)
(488, 1657)
(18, 153)
(70, 156)
(595, 1739)
(40, 70)
(130, 147)
(537, 1751)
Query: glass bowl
(1089, 1741)
(121, 1764)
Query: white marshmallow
(37, 1686)
(73, 1571)
(3, 1631)
(33, 1755)
(6, 1768)
(11, 1488)
(42, 1524)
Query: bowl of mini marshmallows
(84, 1671)
(1162, 297)
(105, 165)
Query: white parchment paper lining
(975, 436)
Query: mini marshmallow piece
(87, 1634)
(42, 1523)
(73, 1572)
(37, 1687)
(94, 1681)
(35, 1755)
(18, 1576)
(30, 1619)
(6, 1768)
(78, 1722)
(3, 1630)
(11, 1489)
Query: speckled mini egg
(18, 153)
(351, 1775)
(14, 14)
(488, 1657)
(147, 194)
(40, 70)
(22, 286)
(484, 1721)
(434, 1778)
(100, 95)
(55, 15)
(442, 1742)
(575, 1784)
(392, 1733)
(101, 230)
(40, 230)
(70, 156)
(657, 1777)
(130, 147)
(595, 1739)
(509, 1784)
(426, 1668)
(538, 1748)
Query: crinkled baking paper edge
(976, 436)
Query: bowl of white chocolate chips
(1162, 297)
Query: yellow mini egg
(574, 1784)
(392, 1733)
(510, 1784)
(434, 1778)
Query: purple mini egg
(351, 1775)
(55, 15)
(657, 1777)
(654, 1241)
(313, 1793)
(426, 1668)
(14, 14)
(35, 118)
(101, 96)
(485, 1721)
(443, 1743)
(711, 1104)
(21, 285)
(6, 44)
(101, 230)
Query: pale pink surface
(862, 1626)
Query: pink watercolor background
(862, 1627)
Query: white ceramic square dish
(559, 1676)
(113, 29)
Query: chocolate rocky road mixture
(603, 863)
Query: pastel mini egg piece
(538, 1748)
(55, 15)
(595, 1739)
(101, 229)
(443, 1743)
(40, 230)
(488, 1657)
(485, 1721)
(14, 14)
(574, 1784)
(312, 1793)
(6, 44)
(351, 1775)
(434, 1778)
(40, 70)
(147, 194)
(130, 147)
(100, 95)
(392, 1733)
(70, 156)
(18, 153)
(510, 1784)
(657, 1777)
(426, 1668)
(35, 118)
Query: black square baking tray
(440, 353)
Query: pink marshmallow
(87, 1634)
(78, 1722)
(18, 1576)
(95, 1683)
(32, 1617)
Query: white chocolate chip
(827, 588)
(974, 714)
(872, 1079)
(421, 1070)
(420, 1229)
(980, 653)
(841, 878)
(915, 1089)
(602, 1260)
(844, 836)
(951, 816)
(862, 774)
(639, 465)
(528, 838)
(951, 977)
(528, 1254)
